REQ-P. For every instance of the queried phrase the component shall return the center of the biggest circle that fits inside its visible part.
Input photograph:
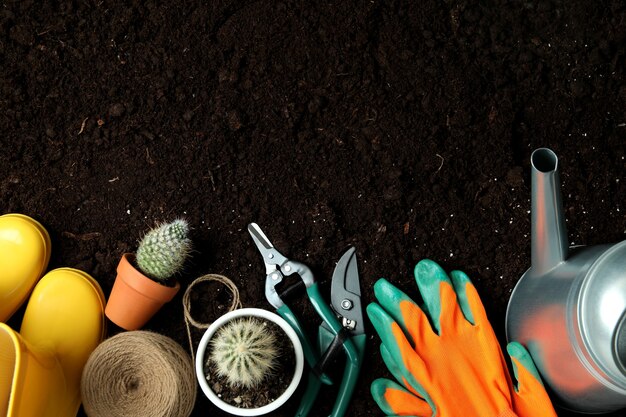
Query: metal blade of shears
(345, 293)
(271, 257)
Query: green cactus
(163, 250)
(244, 351)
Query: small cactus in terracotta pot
(162, 252)
(146, 281)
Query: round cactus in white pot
(242, 353)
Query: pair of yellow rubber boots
(41, 366)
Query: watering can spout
(548, 234)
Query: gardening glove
(530, 398)
(451, 365)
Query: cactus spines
(244, 351)
(163, 250)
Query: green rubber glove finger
(530, 398)
(468, 299)
(397, 372)
(405, 379)
(519, 352)
(460, 281)
(404, 311)
(394, 339)
(429, 277)
(394, 399)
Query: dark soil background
(403, 128)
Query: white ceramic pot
(204, 344)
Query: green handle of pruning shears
(324, 339)
(312, 389)
(354, 354)
(350, 376)
(309, 354)
(323, 309)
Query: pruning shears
(342, 326)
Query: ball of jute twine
(139, 373)
(189, 321)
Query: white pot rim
(264, 314)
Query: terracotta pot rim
(143, 284)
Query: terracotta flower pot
(135, 298)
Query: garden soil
(403, 128)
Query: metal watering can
(569, 308)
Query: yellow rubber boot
(31, 379)
(64, 320)
(24, 255)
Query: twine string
(190, 321)
(139, 373)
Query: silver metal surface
(345, 292)
(272, 259)
(568, 309)
(602, 303)
(348, 324)
(259, 237)
(549, 235)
